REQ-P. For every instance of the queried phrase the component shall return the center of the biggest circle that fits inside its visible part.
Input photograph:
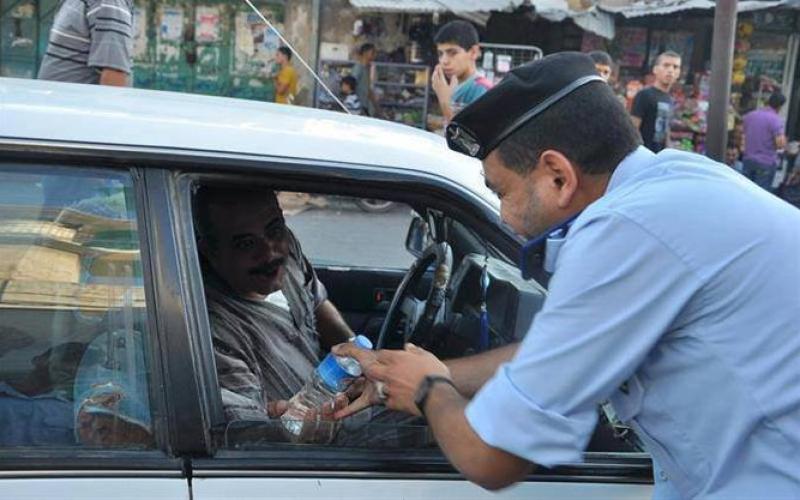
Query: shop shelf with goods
(402, 92)
(688, 124)
(498, 59)
(331, 72)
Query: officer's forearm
(472, 372)
(489, 467)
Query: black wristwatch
(425, 387)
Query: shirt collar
(630, 166)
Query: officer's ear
(561, 177)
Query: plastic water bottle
(333, 375)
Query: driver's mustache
(270, 267)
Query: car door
(82, 412)
(386, 456)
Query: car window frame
(606, 467)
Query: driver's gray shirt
(264, 352)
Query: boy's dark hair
(776, 100)
(666, 53)
(350, 81)
(601, 57)
(366, 47)
(286, 51)
(460, 33)
(589, 126)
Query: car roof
(65, 112)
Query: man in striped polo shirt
(91, 41)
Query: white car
(101, 283)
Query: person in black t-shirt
(652, 106)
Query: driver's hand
(319, 424)
(277, 408)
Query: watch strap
(425, 387)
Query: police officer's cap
(525, 93)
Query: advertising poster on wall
(207, 24)
(171, 28)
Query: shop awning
(661, 7)
(593, 20)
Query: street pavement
(340, 233)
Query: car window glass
(73, 366)
(348, 231)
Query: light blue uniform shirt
(682, 283)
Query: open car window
(360, 254)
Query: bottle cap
(336, 376)
(362, 342)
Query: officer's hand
(400, 372)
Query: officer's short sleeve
(111, 27)
(616, 291)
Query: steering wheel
(420, 315)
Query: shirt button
(662, 475)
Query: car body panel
(31, 109)
(385, 489)
(96, 488)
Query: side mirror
(418, 237)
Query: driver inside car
(270, 317)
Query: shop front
(217, 47)
(766, 52)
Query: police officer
(676, 296)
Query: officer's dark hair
(286, 51)
(601, 57)
(776, 100)
(366, 47)
(590, 127)
(666, 53)
(460, 33)
(350, 81)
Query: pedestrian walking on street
(91, 41)
(652, 107)
(362, 70)
(763, 137)
(286, 79)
